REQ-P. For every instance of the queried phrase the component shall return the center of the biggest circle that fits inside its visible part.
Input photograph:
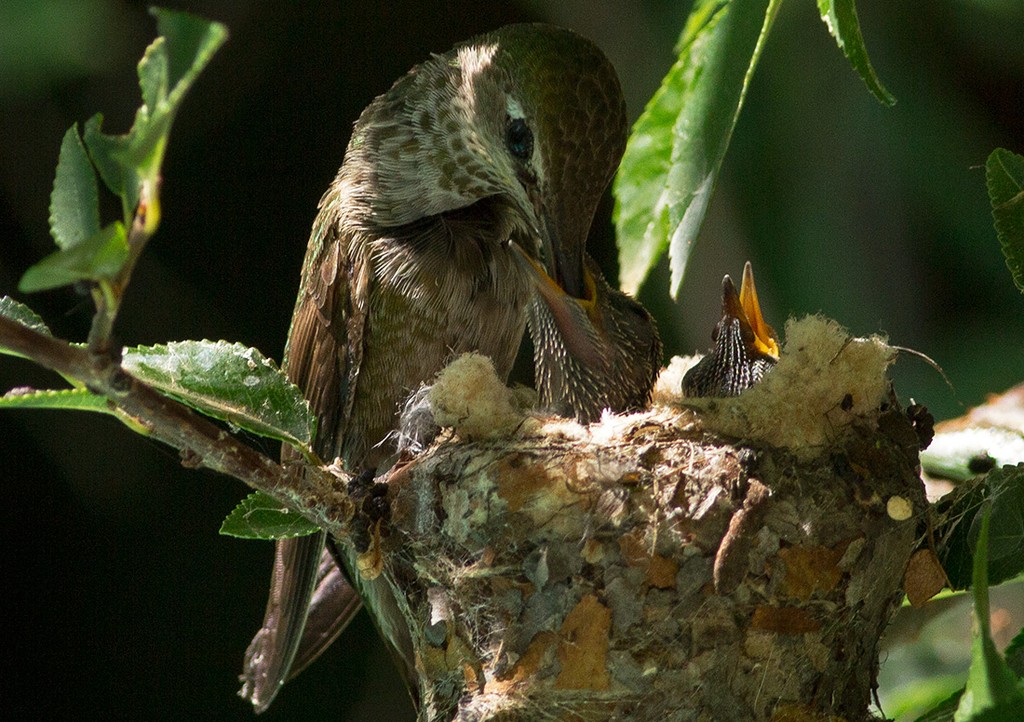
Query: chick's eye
(519, 139)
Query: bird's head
(532, 115)
(746, 346)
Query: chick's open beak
(577, 318)
(765, 339)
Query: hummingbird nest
(707, 559)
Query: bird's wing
(321, 361)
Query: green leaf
(958, 524)
(167, 70)
(227, 381)
(67, 399)
(1006, 528)
(20, 313)
(840, 17)
(98, 258)
(153, 74)
(109, 154)
(676, 148)
(944, 710)
(74, 202)
(77, 399)
(259, 516)
(191, 42)
(1004, 175)
(990, 683)
(1015, 654)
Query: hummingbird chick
(598, 352)
(746, 347)
(514, 134)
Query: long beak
(563, 257)
(571, 315)
(745, 307)
(766, 340)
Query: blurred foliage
(55, 42)
(927, 651)
(993, 691)
(877, 217)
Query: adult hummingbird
(746, 347)
(501, 146)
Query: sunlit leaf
(962, 454)
(167, 70)
(74, 201)
(22, 314)
(227, 381)
(943, 710)
(259, 516)
(840, 16)
(66, 399)
(676, 148)
(191, 42)
(153, 77)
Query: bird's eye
(519, 139)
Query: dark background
(121, 599)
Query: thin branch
(312, 491)
(108, 294)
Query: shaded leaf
(109, 154)
(840, 17)
(991, 685)
(1004, 175)
(676, 148)
(1015, 654)
(1006, 527)
(74, 201)
(259, 516)
(98, 258)
(227, 381)
(958, 523)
